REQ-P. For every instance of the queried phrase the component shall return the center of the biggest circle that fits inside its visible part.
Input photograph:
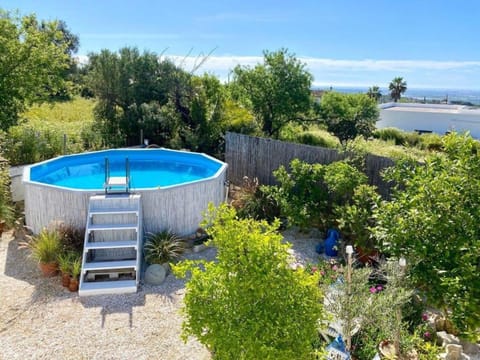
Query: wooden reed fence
(258, 157)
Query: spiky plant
(163, 247)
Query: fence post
(64, 144)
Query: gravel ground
(39, 319)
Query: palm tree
(397, 87)
(374, 93)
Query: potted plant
(45, 248)
(65, 262)
(163, 247)
(75, 272)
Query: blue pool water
(149, 168)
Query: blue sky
(432, 44)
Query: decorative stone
(470, 348)
(454, 352)
(155, 274)
(167, 267)
(444, 339)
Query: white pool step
(108, 227)
(108, 236)
(111, 245)
(110, 265)
(108, 287)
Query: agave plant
(163, 247)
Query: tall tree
(32, 62)
(277, 91)
(397, 87)
(349, 115)
(374, 93)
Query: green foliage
(173, 108)
(433, 221)
(249, 304)
(7, 213)
(369, 303)
(163, 247)
(355, 219)
(32, 62)
(300, 194)
(45, 247)
(76, 267)
(257, 202)
(397, 87)
(349, 115)
(374, 93)
(277, 91)
(384, 148)
(40, 135)
(308, 193)
(312, 135)
(240, 120)
(66, 261)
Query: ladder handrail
(107, 175)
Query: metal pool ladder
(117, 184)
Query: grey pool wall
(178, 208)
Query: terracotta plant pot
(367, 256)
(73, 286)
(65, 280)
(49, 269)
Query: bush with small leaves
(250, 304)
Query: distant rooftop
(430, 108)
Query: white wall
(438, 122)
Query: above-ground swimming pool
(176, 186)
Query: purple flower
(427, 334)
(322, 273)
(379, 287)
(334, 267)
(314, 269)
(424, 316)
(373, 290)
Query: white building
(430, 118)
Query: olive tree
(277, 91)
(349, 115)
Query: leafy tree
(397, 87)
(374, 93)
(349, 115)
(250, 304)
(433, 221)
(32, 62)
(277, 91)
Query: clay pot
(49, 269)
(65, 280)
(73, 286)
(367, 256)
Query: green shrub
(250, 304)
(300, 194)
(318, 138)
(7, 213)
(341, 180)
(385, 134)
(432, 142)
(163, 247)
(355, 220)
(433, 221)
